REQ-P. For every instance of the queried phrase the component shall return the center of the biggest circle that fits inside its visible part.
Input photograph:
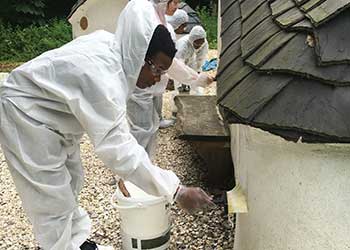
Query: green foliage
(20, 44)
(29, 12)
(23, 12)
(210, 23)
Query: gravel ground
(205, 230)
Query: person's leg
(151, 147)
(173, 95)
(80, 217)
(37, 159)
(158, 104)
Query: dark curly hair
(161, 42)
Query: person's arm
(119, 150)
(107, 127)
(98, 103)
(180, 72)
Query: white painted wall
(100, 14)
(298, 194)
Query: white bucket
(145, 220)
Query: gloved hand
(204, 80)
(192, 199)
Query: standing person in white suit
(193, 50)
(145, 105)
(48, 103)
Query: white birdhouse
(90, 15)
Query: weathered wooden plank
(249, 6)
(258, 36)
(278, 7)
(327, 10)
(310, 106)
(299, 59)
(231, 54)
(261, 55)
(256, 18)
(230, 16)
(231, 35)
(309, 5)
(251, 95)
(290, 18)
(333, 40)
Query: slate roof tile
(278, 7)
(277, 83)
(233, 12)
(333, 40)
(327, 10)
(309, 5)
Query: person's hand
(192, 199)
(204, 80)
(123, 189)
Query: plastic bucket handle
(114, 203)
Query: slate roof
(75, 7)
(285, 67)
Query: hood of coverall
(133, 36)
(161, 7)
(196, 33)
(180, 17)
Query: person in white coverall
(144, 107)
(49, 102)
(193, 50)
(178, 21)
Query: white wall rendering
(298, 194)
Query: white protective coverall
(192, 57)
(49, 102)
(180, 17)
(145, 105)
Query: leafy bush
(23, 12)
(20, 44)
(29, 12)
(210, 22)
